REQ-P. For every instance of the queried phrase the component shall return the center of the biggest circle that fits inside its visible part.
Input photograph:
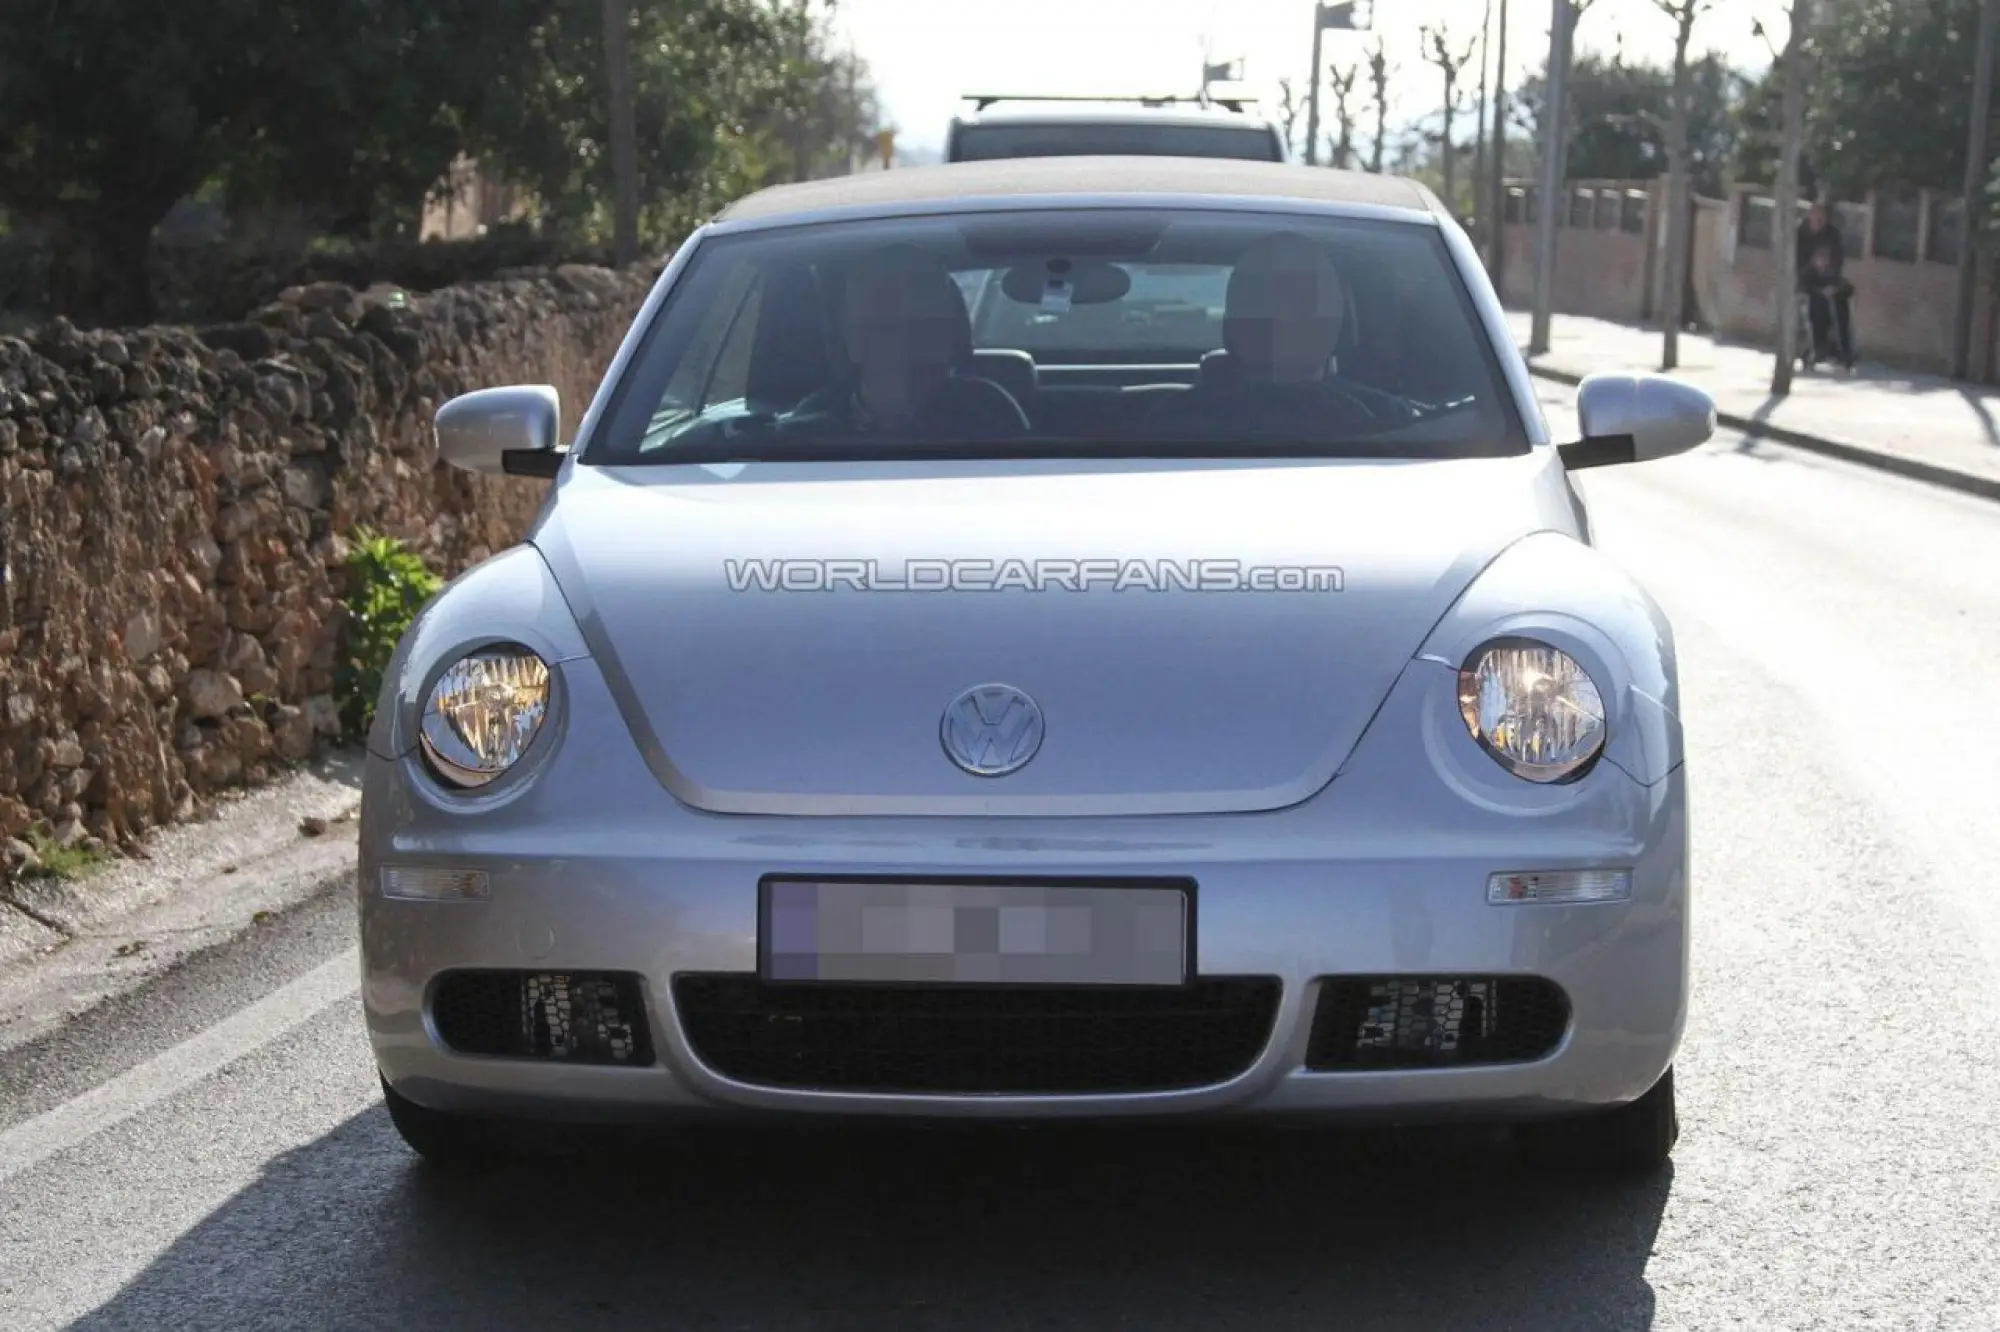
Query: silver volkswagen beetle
(1088, 637)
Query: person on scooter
(1822, 254)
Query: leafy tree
(730, 95)
(1620, 115)
(112, 111)
(824, 107)
(1887, 108)
(355, 142)
(347, 111)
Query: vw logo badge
(991, 730)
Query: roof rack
(983, 100)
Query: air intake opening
(582, 1017)
(1023, 1040)
(1370, 1022)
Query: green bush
(388, 584)
(61, 862)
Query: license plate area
(925, 931)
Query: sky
(925, 55)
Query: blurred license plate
(973, 933)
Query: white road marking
(173, 1071)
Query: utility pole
(1785, 245)
(1498, 184)
(1325, 15)
(851, 108)
(1479, 133)
(1312, 97)
(624, 148)
(1976, 166)
(1554, 108)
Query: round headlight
(483, 713)
(1533, 708)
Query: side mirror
(509, 431)
(1637, 418)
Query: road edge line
(31, 1143)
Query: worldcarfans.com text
(1028, 576)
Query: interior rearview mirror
(511, 431)
(1637, 418)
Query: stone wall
(177, 504)
(197, 279)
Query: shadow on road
(843, 1228)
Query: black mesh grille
(1434, 1021)
(976, 1039)
(580, 1017)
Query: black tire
(1636, 1138)
(441, 1138)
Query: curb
(250, 826)
(1950, 478)
(72, 909)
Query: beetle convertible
(1090, 637)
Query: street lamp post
(1325, 15)
(1479, 135)
(1553, 110)
(1976, 166)
(1312, 98)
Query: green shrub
(61, 862)
(388, 584)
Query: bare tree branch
(1290, 104)
(1673, 287)
(1438, 52)
(1342, 82)
(1379, 71)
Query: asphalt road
(211, 1153)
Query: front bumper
(594, 867)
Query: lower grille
(579, 1017)
(971, 1039)
(1372, 1022)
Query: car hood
(829, 698)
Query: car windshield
(1134, 332)
(986, 143)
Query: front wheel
(1635, 1138)
(442, 1139)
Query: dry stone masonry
(177, 507)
